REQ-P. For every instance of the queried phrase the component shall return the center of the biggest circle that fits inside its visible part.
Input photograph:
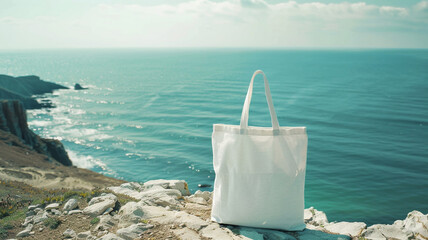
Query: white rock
(37, 210)
(111, 236)
(84, 235)
(28, 220)
(32, 207)
(318, 218)
(352, 229)
(205, 195)
(23, 233)
(132, 186)
(52, 206)
(180, 185)
(417, 222)
(307, 215)
(69, 233)
(130, 213)
(40, 217)
(198, 200)
(126, 191)
(159, 196)
(55, 212)
(133, 231)
(29, 227)
(98, 207)
(70, 205)
(186, 234)
(106, 222)
(163, 216)
(26, 232)
(102, 198)
(382, 231)
(74, 212)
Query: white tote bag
(260, 172)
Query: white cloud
(236, 23)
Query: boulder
(159, 196)
(205, 194)
(74, 212)
(102, 198)
(69, 233)
(352, 229)
(417, 223)
(106, 222)
(163, 216)
(180, 185)
(70, 205)
(78, 87)
(315, 217)
(32, 207)
(383, 231)
(26, 232)
(130, 213)
(23, 233)
(99, 205)
(132, 186)
(52, 206)
(55, 212)
(110, 236)
(98, 208)
(40, 217)
(133, 231)
(28, 220)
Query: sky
(41, 24)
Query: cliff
(13, 119)
(23, 88)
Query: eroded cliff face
(13, 119)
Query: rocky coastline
(165, 209)
(43, 196)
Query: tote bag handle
(246, 108)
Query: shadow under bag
(260, 172)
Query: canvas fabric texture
(260, 171)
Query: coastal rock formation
(143, 219)
(23, 88)
(79, 87)
(13, 119)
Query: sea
(148, 114)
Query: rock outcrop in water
(23, 88)
(79, 87)
(13, 119)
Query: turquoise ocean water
(148, 114)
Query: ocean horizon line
(218, 48)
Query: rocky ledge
(13, 120)
(23, 88)
(165, 209)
